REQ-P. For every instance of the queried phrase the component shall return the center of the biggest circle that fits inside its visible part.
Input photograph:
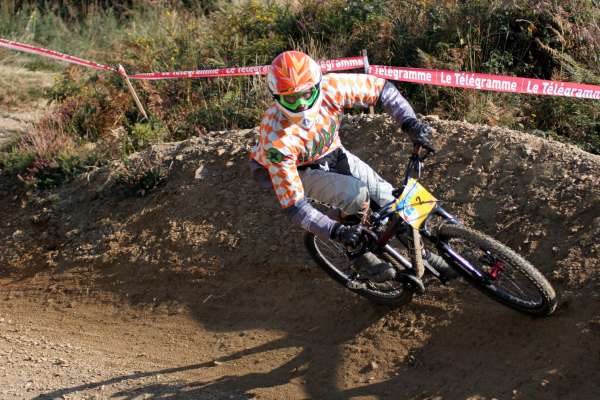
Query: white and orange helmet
(294, 80)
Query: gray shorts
(347, 192)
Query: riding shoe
(373, 268)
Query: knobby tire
(397, 298)
(544, 289)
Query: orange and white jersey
(283, 146)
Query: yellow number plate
(415, 203)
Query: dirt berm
(201, 289)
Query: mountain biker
(299, 152)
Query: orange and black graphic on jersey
(283, 146)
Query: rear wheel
(506, 276)
(332, 257)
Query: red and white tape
(496, 83)
(9, 44)
(337, 64)
(465, 80)
(203, 73)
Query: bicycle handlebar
(416, 152)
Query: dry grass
(22, 89)
(46, 140)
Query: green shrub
(546, 40)
(41, 173)
(14, 162)
(143, 134)
(47, 155)
(46, 174)
(138, 176)
(576, 120)
(539, 39)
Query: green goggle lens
(300, 100)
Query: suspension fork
(396, 222)
(447, 251)
(393, 227)
(382, 242)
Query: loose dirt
(202, 290)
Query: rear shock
(435, 261)
(444, 271)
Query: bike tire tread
(547, 292)
(405, 296)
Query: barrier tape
(465, 80)
(205, 73)
(9, 44)
(496, 83)
(336, 64)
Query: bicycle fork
(447, 251)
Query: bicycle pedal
(356, 285)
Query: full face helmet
(294, 80)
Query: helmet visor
(297, 102)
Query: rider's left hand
(420, 133)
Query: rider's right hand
(348, 235)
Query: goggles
(294, 101)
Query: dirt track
(201, 290)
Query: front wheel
(332, 257)
(503, 275)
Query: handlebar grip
(417, 152)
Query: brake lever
(428, 152)
(413, 167)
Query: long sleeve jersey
(283, 146)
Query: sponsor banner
(336, 64)
(204, 73)
(465, 80)
(9, 44)
(342, 64)
(496, 83)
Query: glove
(348, 235)
(420, 133)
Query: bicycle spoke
(506, 277)
(510, 277)
(336, 254)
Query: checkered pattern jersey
(297, 146)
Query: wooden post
(366, 62)
(123, 73)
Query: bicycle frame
(395, 223)
(452, 247)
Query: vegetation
(138, 176)
(542, 39)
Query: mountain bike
(392, 233)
